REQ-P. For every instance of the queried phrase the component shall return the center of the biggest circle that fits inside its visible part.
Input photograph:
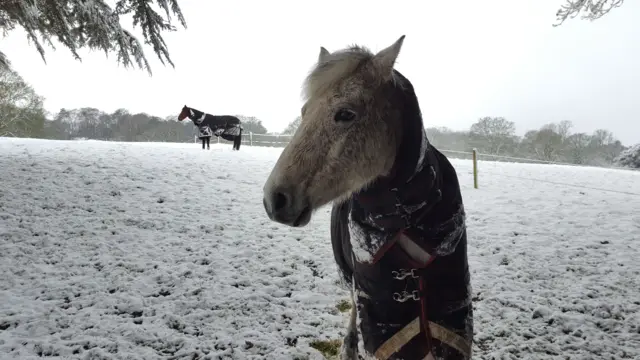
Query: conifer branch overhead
(93, 24)
(593, 9)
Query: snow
(163, 251)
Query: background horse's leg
(202, 143)
(239, 140)
(349, 349)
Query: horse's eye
(344, 115)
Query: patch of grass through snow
(344, 305)
(328, 348)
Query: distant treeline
(22, 115)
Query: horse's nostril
(281, 201)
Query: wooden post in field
(475, 168)
(250, 138)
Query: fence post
(250, 138)
(475, 168)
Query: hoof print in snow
(112, 291)
(176, 324)
(163, 293)
(270, 236)
(604, 242)
(292, 341)
(196, 292)
(136, 313)
(137, 321)
(313, 267)
(160, 200)
(504, 261)
(115, 193)
(248, 344)
(537, 313)
(4, 326)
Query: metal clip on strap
(404, 296)
(403, 273)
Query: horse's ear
(324, 53)
(386, 58)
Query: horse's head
(349, 135)
(184, 113)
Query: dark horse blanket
(408, 310)
(225, 126)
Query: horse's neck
(410, 160)
(197, 119)
(399, 190)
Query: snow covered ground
(163, 251)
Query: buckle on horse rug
(403, 273)
(405, 295)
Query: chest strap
(438, 332)
(420, 261)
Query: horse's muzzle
(283, 205)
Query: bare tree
(594, 9)
(544, 144)
(578, 148)
(293, 126)
(493, 133)
(564, 129)
(602, 137)
(252, 124)
(21, 109)
(92, 24)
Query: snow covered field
(163, 251)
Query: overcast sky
(466, 59)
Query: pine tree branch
(594, 9)
(93, 24)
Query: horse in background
(225, 126)
(398, 222)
